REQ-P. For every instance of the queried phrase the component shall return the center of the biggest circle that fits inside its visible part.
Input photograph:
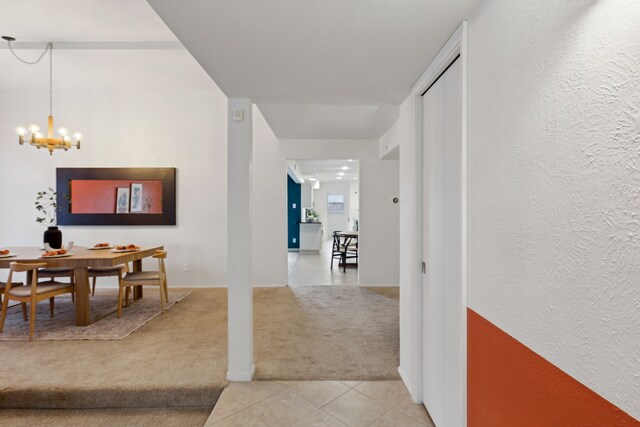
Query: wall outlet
(186, 267)
(294, 240)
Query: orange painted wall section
(99, 196)
(510, 385)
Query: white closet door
(444, 313)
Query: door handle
(424, 267)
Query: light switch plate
(238, 115)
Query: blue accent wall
(294, 197)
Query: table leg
(137, 290)
(81, 275)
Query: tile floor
(317, 403)
(315, 270)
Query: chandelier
(32, 134)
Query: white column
(239, 268)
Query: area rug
(104, 317)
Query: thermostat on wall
(238, 115)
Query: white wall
(354, 202)
(269, 206)
(553, 137)
(379, 238)
(270, 154)
(182, 129)
(334, 221)
(402, 134)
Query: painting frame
(136, 204)
(122, 200)
(167, 216)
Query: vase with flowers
(47, 209)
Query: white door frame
(456, 45)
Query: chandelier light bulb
(77, 136)
(36, 138)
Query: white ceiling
(284, 54)
(329, 170)
(81, 20)
(123, 45)
(313, 121)
(331, 69)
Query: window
(335, 203)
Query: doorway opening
(323, 222)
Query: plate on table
(119, 251)
(56, 256)
(9, 255)
(97, 248)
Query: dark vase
(53, 237)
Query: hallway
(318, 403)
(309, 269)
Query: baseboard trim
(241, 376)
(270, 286)
(408, 384)
(395, 285)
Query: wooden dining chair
(3, 285)
(336, 249)
(344, 250)
(32, 293)
(58, 273)
(350, 251)
(146, 278)
(115, 271)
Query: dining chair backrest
(336, 241)
(161, 256)
(19, 267)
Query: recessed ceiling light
(344, 168)
(313, 179)
(350, 160)
(355, 179)
(341, 174)
(339, 177)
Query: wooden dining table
(81, 260)
(349, 234)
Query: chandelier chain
(48, 48)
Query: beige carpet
(318, 333)
(105, 326)
(130, 417)
(180, 358)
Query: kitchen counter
(310, 236)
